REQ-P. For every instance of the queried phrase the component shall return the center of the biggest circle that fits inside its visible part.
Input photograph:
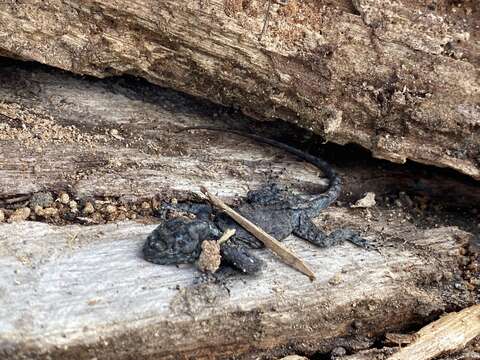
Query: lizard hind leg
(307, 230)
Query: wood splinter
(226, 236)
(269, 241)
(448, 334)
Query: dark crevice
(447, 196)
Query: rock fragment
(366, 202)
(43, 199)
(88, 209)
(64, 198)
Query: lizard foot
(240, 258)
(352, 236)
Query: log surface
(400, 78)
(79, 292)
(84, 292)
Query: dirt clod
(209, 260)
(20, 214)
(88, 208)
(64, 198)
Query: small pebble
(64, 198)
(2, 216)
(50, 211)
(43, 199)
(110, 209)
(367, 201)
(73, 204)
(88, 208)
(114, 133)
(145, 205)
(19, 215)
(338, 351)
(335, 280)
(47, 212)
(38, 210)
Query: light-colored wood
(226, 235)
(80, 292)
(269, 241)
(152, 159)
(399, 78)
(84, 292)
(60, 138)
(450, 333)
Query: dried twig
(285, 254)
(449, 333)
(226, 235)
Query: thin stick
(449, 333)
(226, 235)
(274, 245)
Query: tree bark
(400, 78)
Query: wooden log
(84, 292)
(79, 292)
(55, 133)
(450, 333)
(397, 77)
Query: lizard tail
(317, 203)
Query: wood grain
(399, 78)
(84, 292)
(78, 292)
(450, 333)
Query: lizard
(272, 207)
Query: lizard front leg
(307, 230)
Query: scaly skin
(272, 208)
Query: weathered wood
(85, 292)
(79, 292)
(400, 78)
(450, 333)
(55, 134)
(471, 352)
